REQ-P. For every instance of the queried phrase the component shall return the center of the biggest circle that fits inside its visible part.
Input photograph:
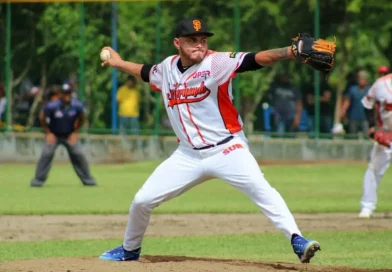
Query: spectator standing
(128, 98)
(326, 106)
(286, 100)
(352, 108)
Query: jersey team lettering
(204, 74)
(232, 148)
(187, 95)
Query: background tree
(46, 43)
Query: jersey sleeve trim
(173, 59)
(248, 63)
(155, 88)
(235, 72)
(145, 72)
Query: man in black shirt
(286, 101)
(326, 107)
(61, 119)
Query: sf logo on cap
(196, 25)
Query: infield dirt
(71, 227)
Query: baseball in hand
(105, 55)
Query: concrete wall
(26, 147)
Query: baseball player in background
(377, 103)
(61, 119)
(196, 86)
(382, 71)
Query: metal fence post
(8, 68)
(157, 119)
(316, 73)
(237, 29)
(317, 82)
(81, 53)
(114, 71)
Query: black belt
(219, 143)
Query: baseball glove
(383, 137)
(317, 53)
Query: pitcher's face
(192, 48)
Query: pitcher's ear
(176, 43)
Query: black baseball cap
(192, 26)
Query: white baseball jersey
(380, 96)
(199, 105)
(199, 101)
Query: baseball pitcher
(378, 102)
(196, 87)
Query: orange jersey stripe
(172, 60)
(155, 88)
(193, 122)
(227, 110)
(183, 126)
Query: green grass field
(306, 188)
(359, 249)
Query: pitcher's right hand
(115, 59)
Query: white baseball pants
(186, 168)
(380, 159)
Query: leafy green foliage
(49, 35)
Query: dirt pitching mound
(165, 263)
(71, 227)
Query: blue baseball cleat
(119, 254)
(304, 248)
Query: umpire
(61, 120)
